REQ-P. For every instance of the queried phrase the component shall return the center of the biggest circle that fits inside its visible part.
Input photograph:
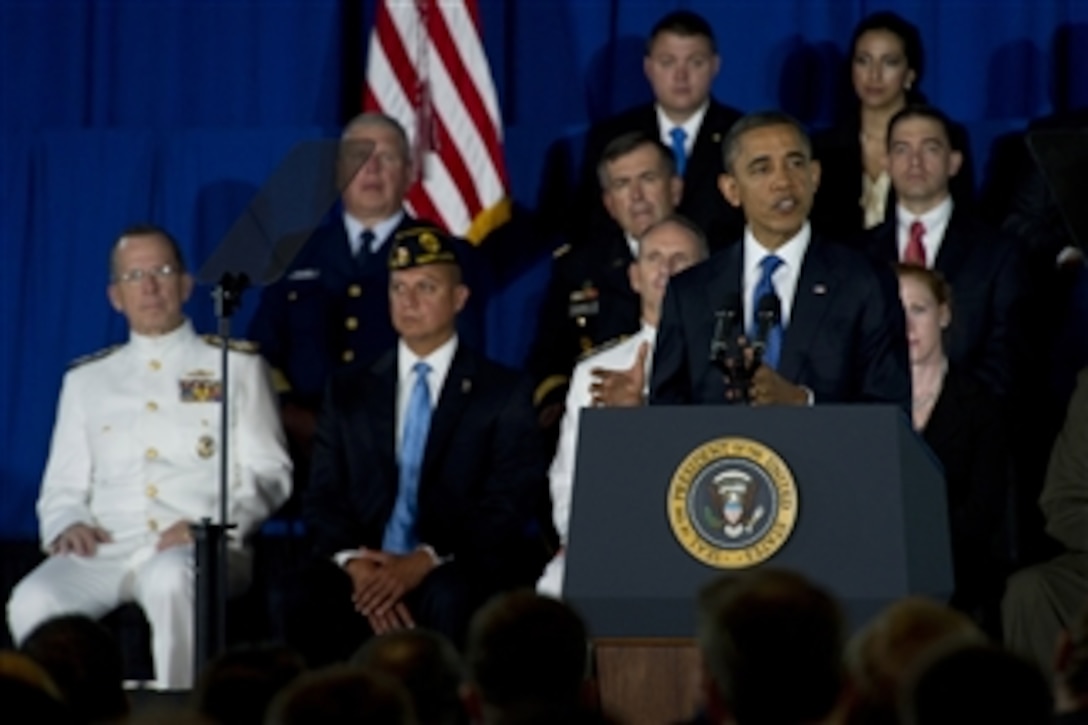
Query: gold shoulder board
(97, 355)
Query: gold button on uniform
(348, 355)
(355, 291)
(352, 323)
(152, 454)
(155, 364)
(152, 406)
(152, 490)
(152, 525)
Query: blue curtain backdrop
(174, 111)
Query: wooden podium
(871, 526)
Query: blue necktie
(400, 532)
(773, 349)
(678, 136)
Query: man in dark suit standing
(331, 306)
(681, 63)
(427, 472)
(928, 228)
(834, 329)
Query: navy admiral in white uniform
(618, 373)
(134, 461)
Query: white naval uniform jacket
(620, 356)
(136, 443)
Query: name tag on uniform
(200, 390)
(302, 274)
(584, 302)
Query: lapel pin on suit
(466, 385)
(819, 289)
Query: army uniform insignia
(200, 390)
(402, 257)
(205, 446)
(732, 503)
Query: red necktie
(916, 251)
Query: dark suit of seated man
(836, 333)
(417, 516)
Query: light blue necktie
(678, 136)
(400, 532)
(773, 349)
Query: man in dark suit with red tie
(983, 266)
(427, 473)
(681, 63)
(838, 335)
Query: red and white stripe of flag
(427, 68)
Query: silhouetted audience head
(772, 645)
(975, 683)
(84, 660)
(27, 690)
(882, 655)
(527, 660)
(342, 694)
(237, 686)
(426, 664)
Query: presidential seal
(732, 503)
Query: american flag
(427, 68)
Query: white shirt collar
(935, 221)
(792, 254)
(691, 126)
(440, 360)
(381, 230)
(158, 344)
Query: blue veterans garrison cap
(419, 246)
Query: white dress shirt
(691, 127)
(784, 279)
(439, 360)
(381, 230)
(936, 223)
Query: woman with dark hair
(961, 422)
(886, 65)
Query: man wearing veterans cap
(134, 462)
(330, 309)
(427, 473)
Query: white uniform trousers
(162, 583)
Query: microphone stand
(211, 538)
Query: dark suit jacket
(701, 201)
(836, 212)
(589, 301)
(329, 310)
(984, 269)
(966, 432)
(483, 476)
(845, 340)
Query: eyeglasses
(136, 276)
